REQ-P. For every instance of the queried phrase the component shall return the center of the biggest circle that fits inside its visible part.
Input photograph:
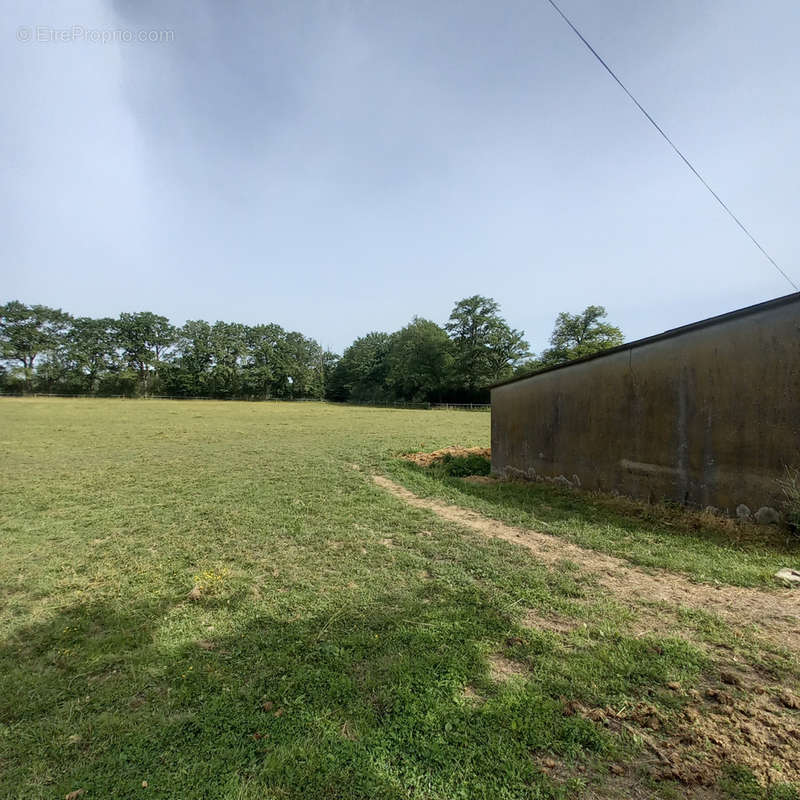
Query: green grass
(335, 630)
(657, 536)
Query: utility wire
(673, 145)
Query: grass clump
(462, 466)
(739, 783)
(790, 485)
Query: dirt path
(775, 614)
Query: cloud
(338, 167)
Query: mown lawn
(207, 600)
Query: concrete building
(705, 414)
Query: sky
(339, 167)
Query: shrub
(461, 466)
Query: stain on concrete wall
(708, 414)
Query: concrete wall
(708, 414)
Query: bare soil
(428, 459)
(548, 622)
(503, 669)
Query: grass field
(213, 600)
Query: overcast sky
(338, 167)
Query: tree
(329, 362)
(486, 348)
(302, 366)
(578, 335)
(229, 352)
(188, 371)
(144, 338)
(90, 351)
(361, 371)
(28, 331)
(141, 352)
(419, 361)
(260, 369)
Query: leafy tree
(233, 360)
(507, 350)
(526, 367)
(144, 338)
(361, 371)
(28, 331)
(188, 371)
(578, 335)
(262, 343)
(90, 350)
(330, 360)
(6, 380)
(486, 347)
(301, 365)
(419, 361)
(52, 372)
(229, 351)
(422, 361)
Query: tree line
(45, 349)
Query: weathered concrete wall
(705, 415)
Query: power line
(673, 145)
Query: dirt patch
(774, 614)
(503, 669)
(715, 729)
(634, 782)
(429, 459)
(617, 781)
(556, 769)
(471, 696)
(535, 620)
(195, 594)
(723, 726)
(658, 619)
(722, 729)
(629, 781)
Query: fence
(369, 404)
(462, 406)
